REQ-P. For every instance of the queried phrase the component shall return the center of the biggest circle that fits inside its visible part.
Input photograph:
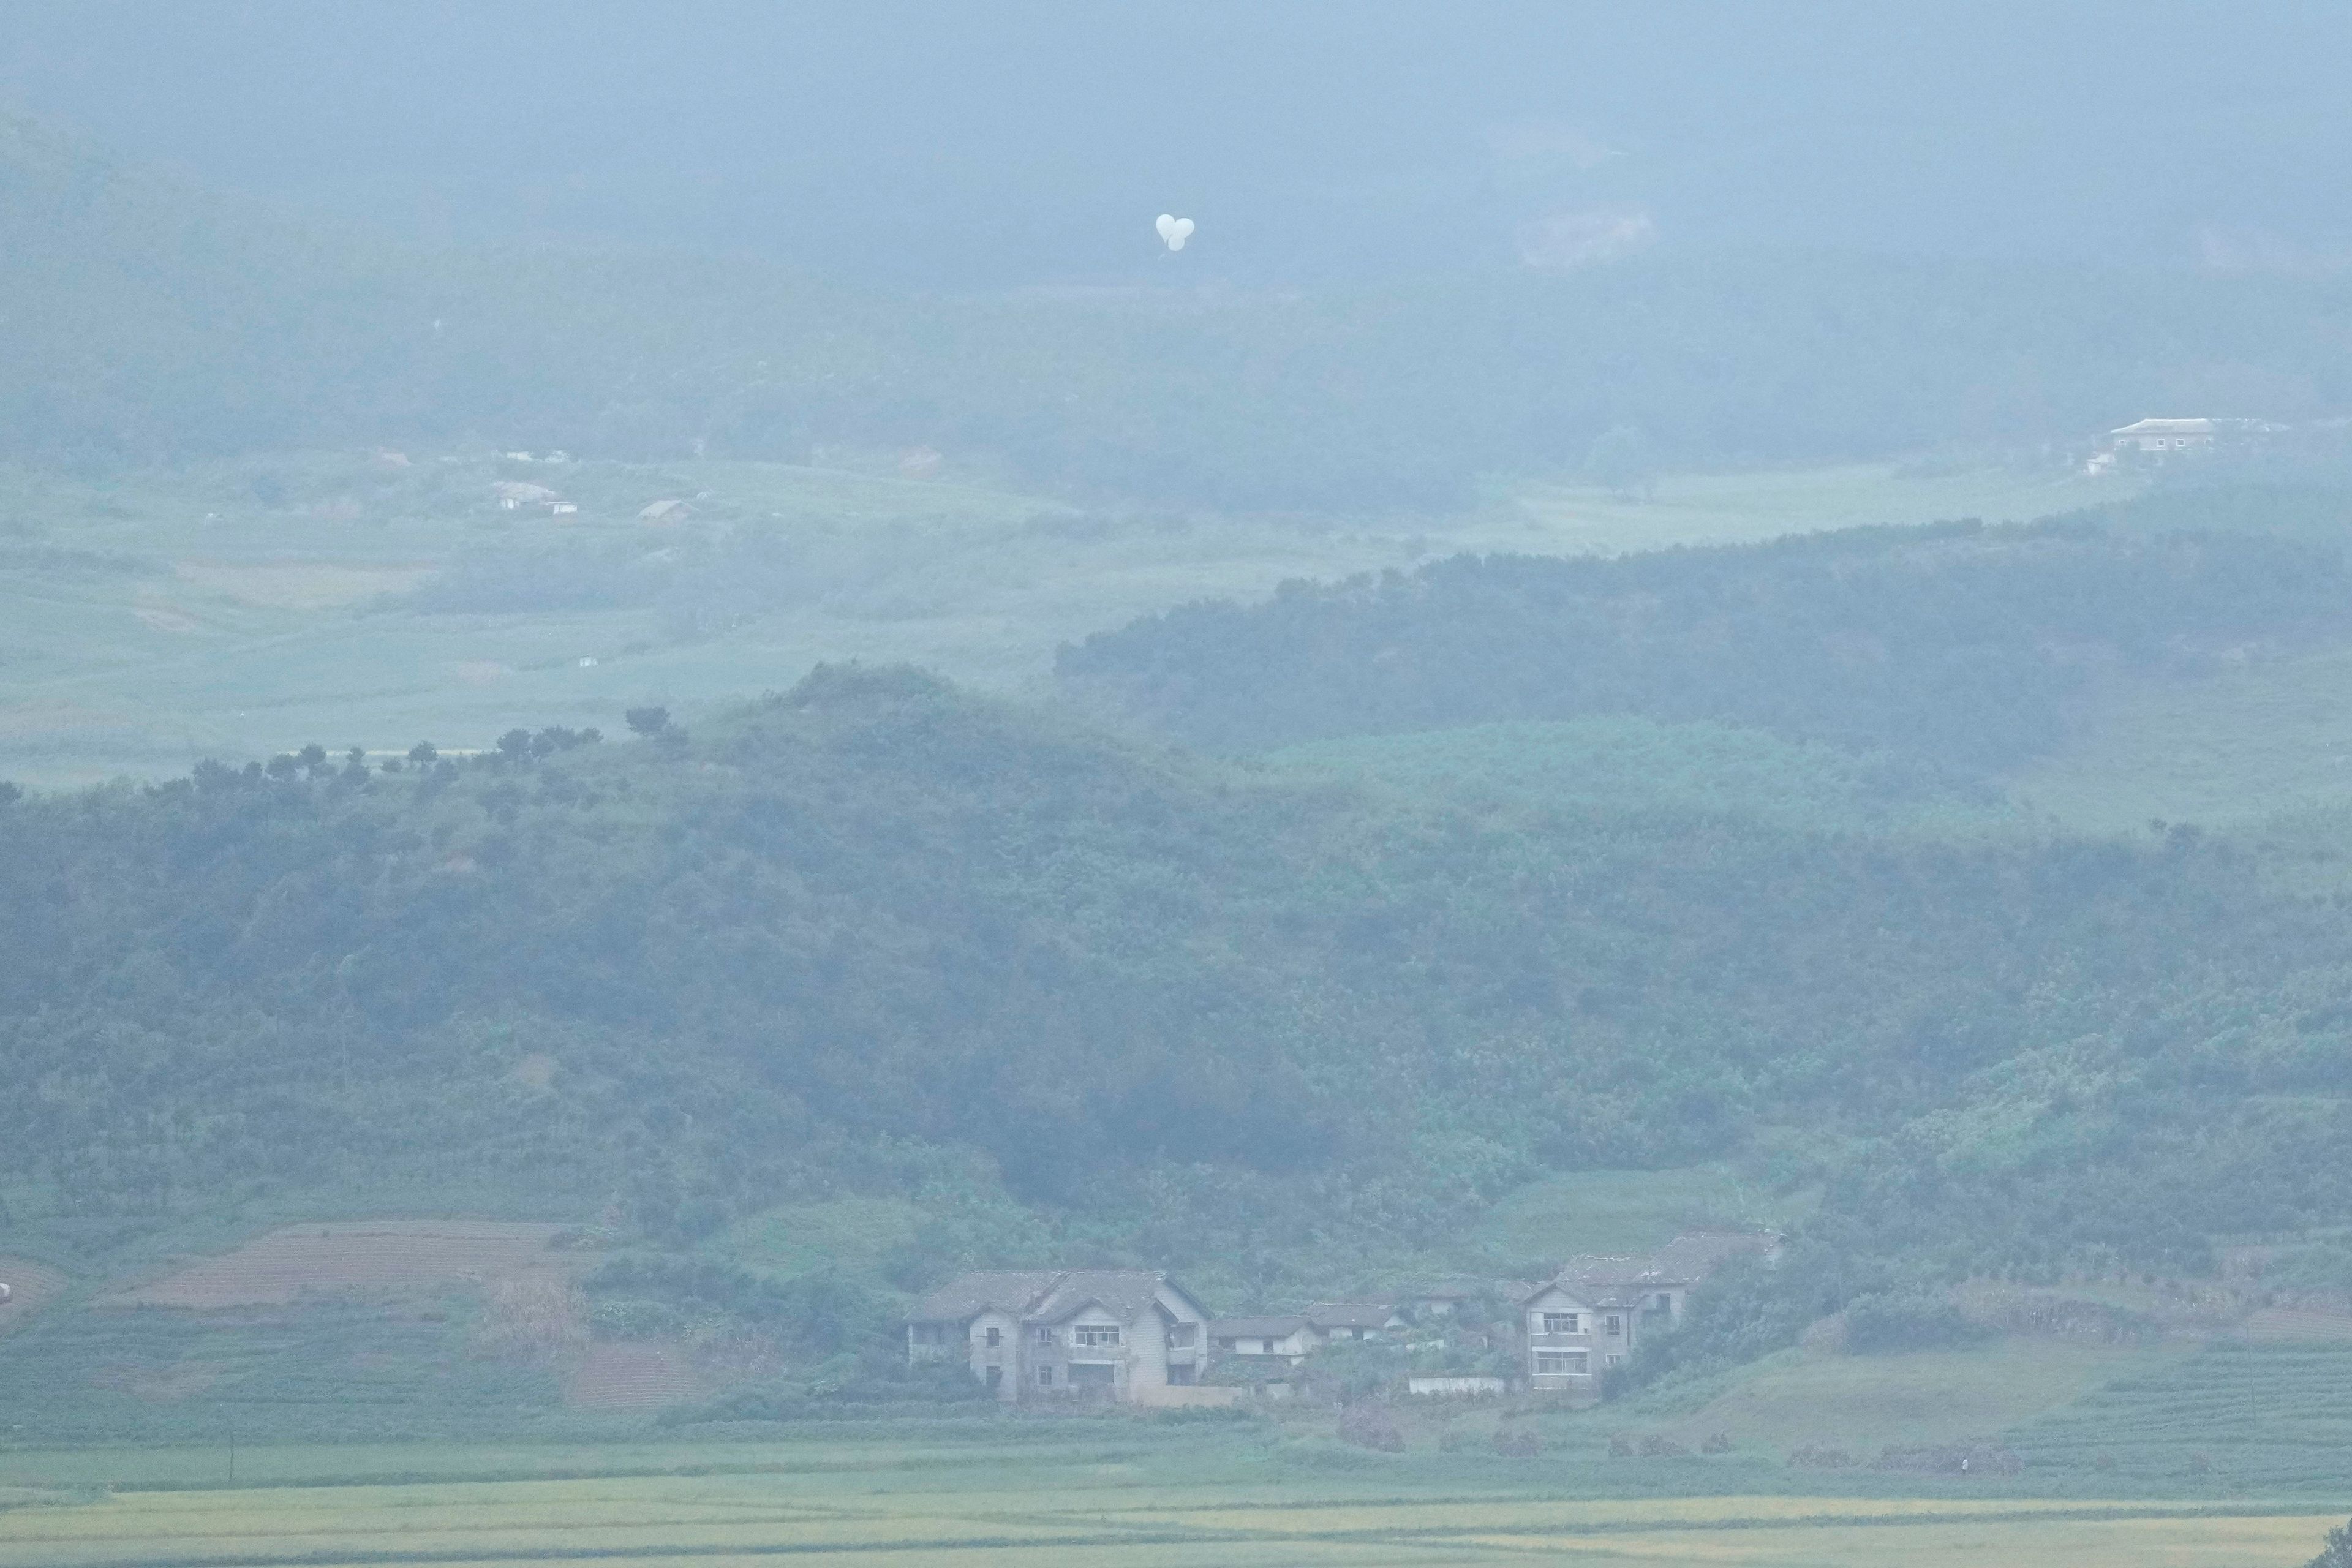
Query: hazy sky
(1008, 143)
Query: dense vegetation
(1960, 646)
(152, 320)
(873, 936)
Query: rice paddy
(1163, 1503)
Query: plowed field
(372, 1257)
(29, 1285)
(634, 1376)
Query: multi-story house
(1048, 1333)
(1591, 1315)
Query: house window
(1665, 1302)
(995, 1377)
(1045, 1377)
(1559, 1322)
(1614, 1360)
(1267, 1345)
(1096, 1334)
(1044, 1336)
(1227, 1345)
(1179, 1335)
(1614, 1324)
(1563, 1363)
(995, 1338)
(927, 1333)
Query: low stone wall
(1175, 1397)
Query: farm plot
(1053, 1511)
(2233, 1417)
(376, 1257)
(30, 1284)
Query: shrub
(1817, 1456)
(1879, 1325)
(1950, 1459)
(1518, 1442)
(1371, 1425)
(2337, 1552)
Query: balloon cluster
(1174, 231)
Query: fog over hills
(669, 680)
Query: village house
(1290, 1338)
(1048, 1333)
(1591, 1315)
(1283, 1340)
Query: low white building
(2160, 436)
(1291, 1337)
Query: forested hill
(1960, 644)
(872, 935)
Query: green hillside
(1966, 648)
(873, 980)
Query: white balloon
(1166, 226)
(1174, 231)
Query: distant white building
(2158, 440)
(2163, 435)
(514, 494)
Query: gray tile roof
(1611, 1279)
(1126, 1293)
(1046, 1295)
(1005, 1290)
(1350, 1315)
(1258, 1328)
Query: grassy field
(1624, 1211)
(1860, 1404)
(2249, 742)
(1137, 1496)
(241, 608)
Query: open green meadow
(2248, 742)
(1154, 1500)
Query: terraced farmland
(1170, 1507)
(370, 1257)
(2240, 1417)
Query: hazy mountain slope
(148, 318)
